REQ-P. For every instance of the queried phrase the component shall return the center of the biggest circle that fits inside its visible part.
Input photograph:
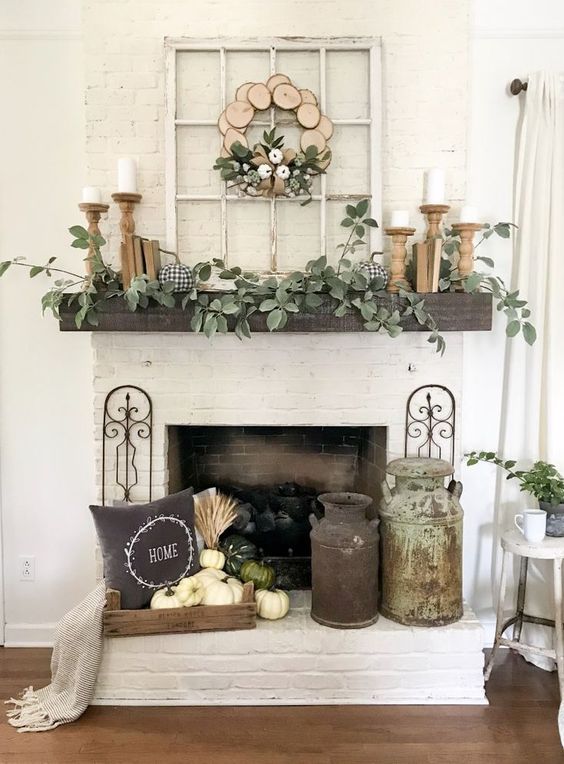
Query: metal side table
(551, 548)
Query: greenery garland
(279, 297)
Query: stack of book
(140, 257)
(427, 262)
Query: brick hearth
(298, 661)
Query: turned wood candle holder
(127, 202)
(466, 232)
(434, 214)
(397, 278)
(93, 211)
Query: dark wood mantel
(453, 312)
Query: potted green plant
(542, 480)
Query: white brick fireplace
(317, 379)
(334, 379)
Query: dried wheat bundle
(214, 514)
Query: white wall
(510, 39)
(46, 451)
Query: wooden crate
(131, 623)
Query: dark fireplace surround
(277, 473)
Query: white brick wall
(316, 379)
(425, 71)
(297, 661)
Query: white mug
(533, 525)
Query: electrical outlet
(27, 568)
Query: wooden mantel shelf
(453, 312)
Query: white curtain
(532, 421)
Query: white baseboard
(29, 634)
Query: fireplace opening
(277, 473)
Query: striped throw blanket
(74, 667)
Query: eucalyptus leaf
(79, 232)
(513, 328)
(362, 208)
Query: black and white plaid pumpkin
(371, 270)
(179, 274)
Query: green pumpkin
(261, 574)
(237, 549)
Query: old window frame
(174, 46)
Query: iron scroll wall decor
(430, 422)
(128, 421)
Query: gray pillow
(146, 546)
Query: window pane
(244, 66)
(199, 231)
(301, 66)
(196, 151)
(349, 171)
(298, 234)
(198, 90)
(348, 84)
(248, 231)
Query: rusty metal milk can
(344, 562)
(421, 527)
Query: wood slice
(312, 138)
(286, 96)
(325, 127)
(275, 80)
(308, 115)
(259, 96)
(239, 113)
(231, 137)
(224, 153)
(242, 91)
(308, 96)
(222, 123)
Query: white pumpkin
(212, 558)
(165, 598)
(237, 588)
(210, 575)
(219, 593)
(272, 605)
(190, 591)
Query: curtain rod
(517, 86)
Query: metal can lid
(419, 466)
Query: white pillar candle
(127, 176)
(399, 219)
(469, 214)
(92, 195)
(435, 193)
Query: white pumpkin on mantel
(165, 598)
(272, 605)
(212, 558)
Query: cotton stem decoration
(214, 514)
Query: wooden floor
(519, 726)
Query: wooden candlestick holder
(398, 262)
(93, 211)
(466, 232)
(434, 214)
(127, 204)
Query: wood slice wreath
(269, 169)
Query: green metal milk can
(421, 547)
